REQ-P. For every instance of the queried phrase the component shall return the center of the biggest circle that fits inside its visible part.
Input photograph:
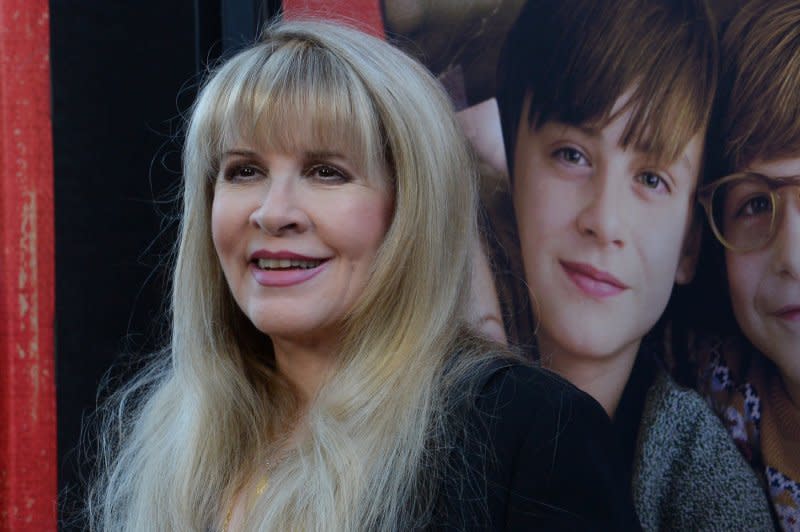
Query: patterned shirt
(746, 391)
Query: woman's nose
(280, 210)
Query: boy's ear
(690, 253)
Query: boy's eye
(755, 206)
(653, 181)
(571, 155)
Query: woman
(319, 376)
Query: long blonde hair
(180, 439)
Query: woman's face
(296, 235)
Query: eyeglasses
(744, 209)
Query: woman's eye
(327, 173)
(755, 206)
(241, 173)
(571, 156)
(653, 181)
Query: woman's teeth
(275, 264)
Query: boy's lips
(788, 312)
(592, 281)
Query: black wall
(124, 74)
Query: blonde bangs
(299, 99)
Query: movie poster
(460, 42)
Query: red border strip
(28, 477)
(366, 14)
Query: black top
(538, 455)
(628, 415)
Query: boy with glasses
(604, 107)
(752, 379)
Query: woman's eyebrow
(239, 153)
(308, 155)
(323, 154)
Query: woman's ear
(690, 253)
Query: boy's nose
(601, 218)
(280, 210)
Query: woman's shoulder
(542, 449)
(535, 398)
(518, 380)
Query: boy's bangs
(664, 119)
(303, 100)
(668, 67)
(667, 108)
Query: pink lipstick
(284, 268)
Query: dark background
(124, 74)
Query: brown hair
(756, 117)
(759, 101)
(577, 57)
(501, 240)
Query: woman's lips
(593, 282)
(285, 276)
(282, 254)
(284, 268)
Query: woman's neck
(305, 364)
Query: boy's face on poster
(602, 230)
(765, 283)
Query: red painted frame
(28, 478)
(365, 13)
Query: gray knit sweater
(687, 472)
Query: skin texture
(766, 281)
(314, 204)
(580, 198)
